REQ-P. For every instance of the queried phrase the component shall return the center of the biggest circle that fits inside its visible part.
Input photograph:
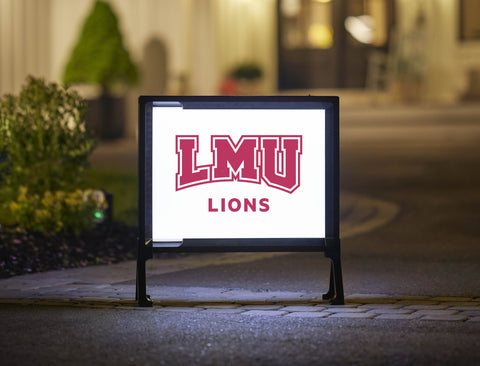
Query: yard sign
(238, 174)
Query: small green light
(99, 215)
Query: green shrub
(44, 138)
(44, 148)
(57, 211)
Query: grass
(122, 183)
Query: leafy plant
(100, 57)
(247, 71)
(44, 146)
(57, 211)
(44, 138)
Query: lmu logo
(272, 159)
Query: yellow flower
(14, 206)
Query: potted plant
(100, 58)
(243, 79)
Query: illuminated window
(470, 20)
(367, 22)
(306, 24)
(327, 43)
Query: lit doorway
(327, 43)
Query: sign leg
(336, 270)
(141, 290)
(335, 290)
(330, 294)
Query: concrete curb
(381, 307)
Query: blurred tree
(100, 57)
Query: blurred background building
(379, 50)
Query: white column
(6, 46)
(43, 34)
(439, 71)
(67, 18)
(24, 42)
(204, 63)
(440, 85)
(19, 49)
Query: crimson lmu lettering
(273, 160)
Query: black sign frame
(330, 245)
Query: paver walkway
(359, 306)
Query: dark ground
(127, 337)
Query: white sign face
(237, 173)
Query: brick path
(113, 287)
(417, 308)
